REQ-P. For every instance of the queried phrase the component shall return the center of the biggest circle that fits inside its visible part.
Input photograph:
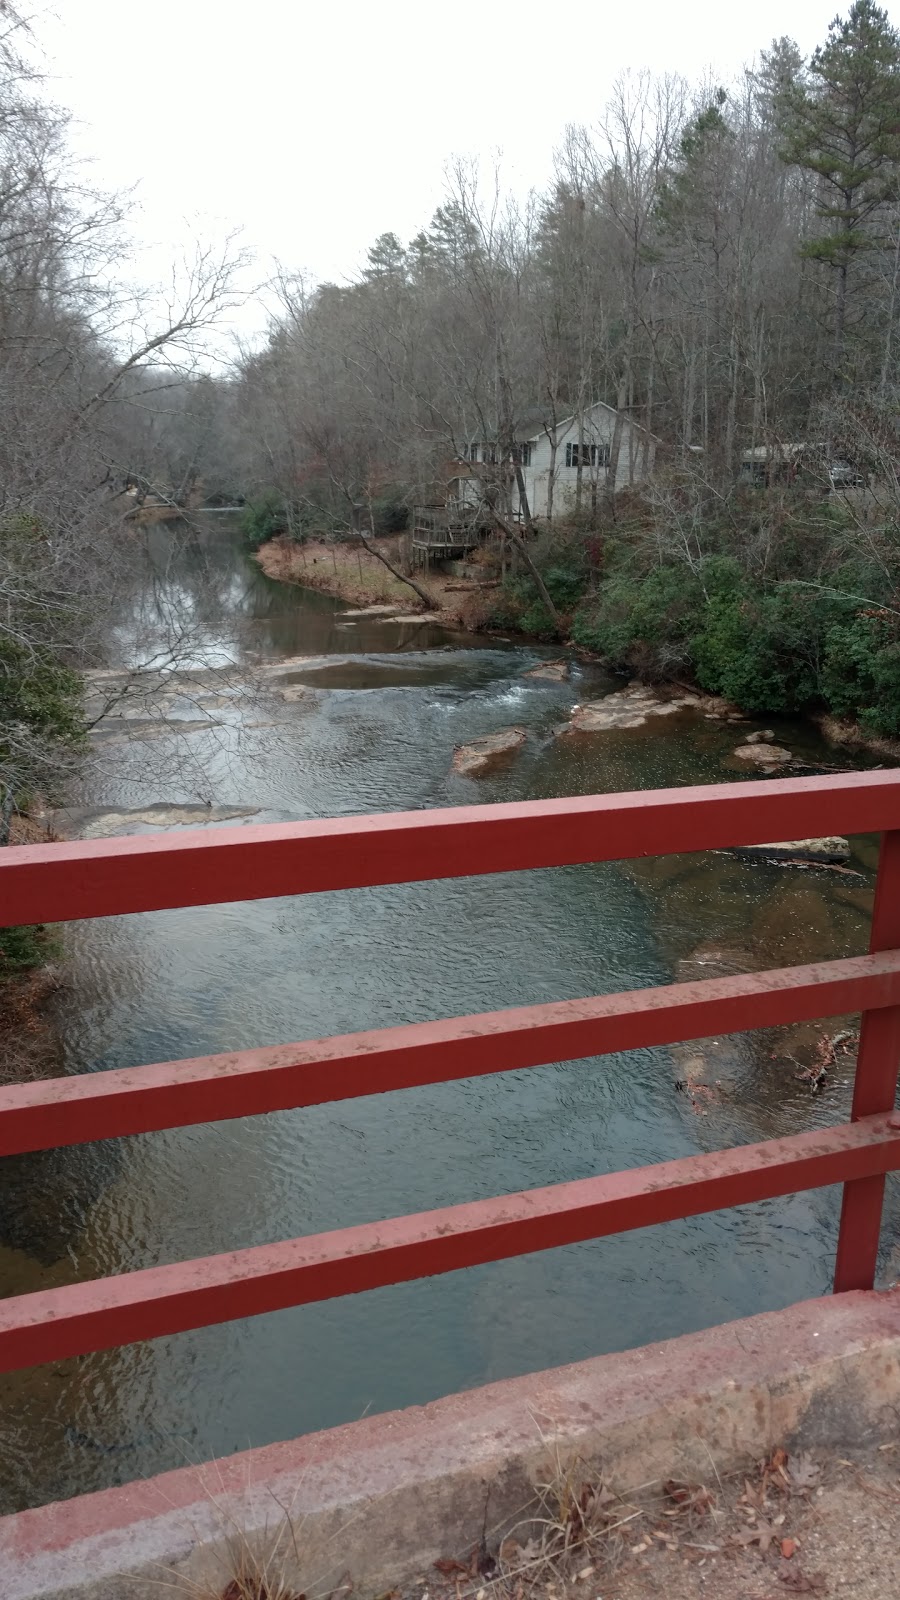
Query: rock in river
(831, 852)
(486, 754)
(764, 755)
(628, 708)
(554, 671)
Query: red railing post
(875, 1088)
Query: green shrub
(390, 516)
(761, 651)
(536, 620)
(39, 693)
(22, 948)
(631, 618)
(263, 518)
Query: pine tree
(843, 122)
(387, 259)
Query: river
(374, 730)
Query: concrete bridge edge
(384, 1497)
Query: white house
(550, 467)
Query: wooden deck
(439, 532)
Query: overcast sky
(315, 125)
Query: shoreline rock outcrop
(832, 851)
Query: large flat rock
(629, 708)
(553, 671)
(763, 755)
(486, 754)
(832, 851)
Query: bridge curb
(384, 1497)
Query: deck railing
(59, 882)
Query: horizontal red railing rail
(60, 882)
(191, 1294)
(175, 1094)
(97, 878)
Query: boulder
(486, 754)
(413, 616)
(762, 736)
(372, 611)
(832, 851)
(553, 671)
(763, 755)
(717, 709)
(628, 708)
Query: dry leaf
(584, 1573)
(688, 1497)
(762, 1534)
(510, 1553)
(804, 1473)
(801, 1582)
(447, 1565)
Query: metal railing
(59, 882)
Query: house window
(522, 453)
(587, 455)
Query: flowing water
(371, 726)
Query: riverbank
(353, 574)
(29, 978)
(359, 578)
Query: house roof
(779, 452)
(598, 405)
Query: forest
(720, 263)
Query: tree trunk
(731, 417)
(373, 550)
(615, 449)
(579, 468)
(551, 477)
(892, 311)
(524, 507)
(840, 318)
(6, 811)
(518, 543)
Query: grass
(351, 574)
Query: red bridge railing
(59, 882)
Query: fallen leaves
(515, 1557)
(688, 1497)
(255, 1588)
(801, 1582)
(762, 1533)
(804, 1473)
